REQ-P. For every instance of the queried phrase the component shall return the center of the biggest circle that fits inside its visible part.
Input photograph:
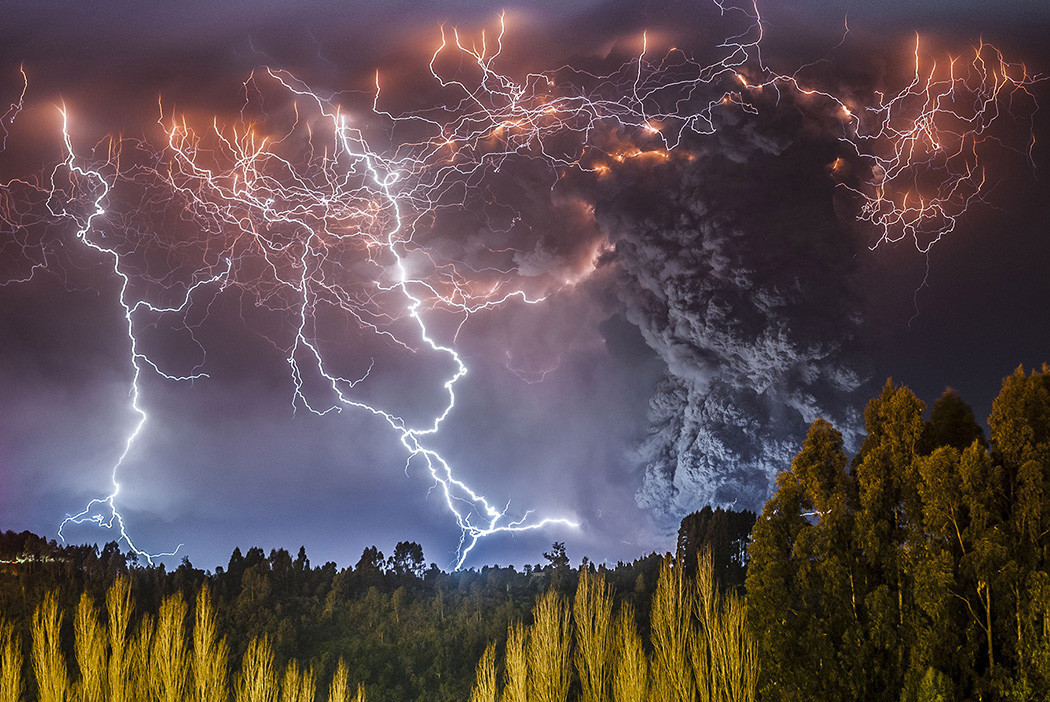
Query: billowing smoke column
(742, 284)
(742, 287)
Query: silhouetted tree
(725, 534)
(951, 424)
(407, 560)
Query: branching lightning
(103, 511)
(301, 210)
(13, 110)
(923, 144)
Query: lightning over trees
(913, 570)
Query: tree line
(699, 644)
(404, 629)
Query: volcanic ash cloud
(734, 268)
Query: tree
(371, 561)
(10, 663)
(210, 653)
(888, 516)
(951, 424)
(48, 661)
(90, 648)
(1020, 434)
(257, 681)
(558, 566)
(806, 588)
(169, 659)
(725, 534)
(407, 560)
(592, 617)
(556, 558)
(548, 649)
(302, 563)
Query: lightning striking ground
(300, 209)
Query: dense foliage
(699, 644)
(406, 631)
(725, 534)
(698, 648)
(920, 570)
(164, 658)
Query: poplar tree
(920, 570)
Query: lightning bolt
(13, 110)
(301, 211)
(103, 511)
(923, 144)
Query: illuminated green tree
(920, 571)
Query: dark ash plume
(735, 270)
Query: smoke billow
(734, 268)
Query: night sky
(700, 306)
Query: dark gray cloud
(742, 286)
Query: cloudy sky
(700, 305)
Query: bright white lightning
(347, 194)
(461, 500)
(103, 511)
